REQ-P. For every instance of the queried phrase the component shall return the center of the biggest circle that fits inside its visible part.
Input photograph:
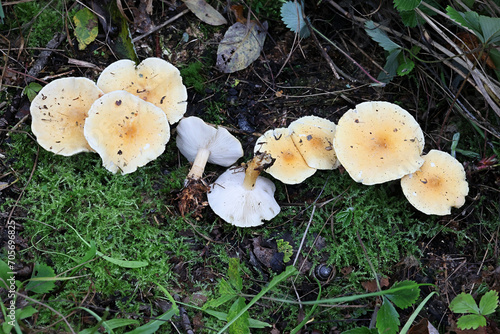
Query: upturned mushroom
(289, 166)
(313, 137)
(153, 80)
(201, 143)
(58, 113)
(378, 142)
(243, 198)
(438, 185)
(126, 131)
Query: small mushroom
(153, 80)
(289, 166)
(378, 142)
(58, 114)
(126, 131)
(438, 185)
(243, 198)
(313, 137)
(201, 143)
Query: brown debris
(192, 198)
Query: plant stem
(199, 163)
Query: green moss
(192, 76)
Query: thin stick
(138, 38)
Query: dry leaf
(205, 12)
(241, 46)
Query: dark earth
(290, 79)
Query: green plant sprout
(465, 303)
(285, 248)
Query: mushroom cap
(126, 131)
(58, 113)
(378, 142)
(241, 207)
(438, 185)
(289, 166)
(313, 137)
(153, 80)
(193, 134)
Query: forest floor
(108, 252)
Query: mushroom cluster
(125, 117)
(379, 141)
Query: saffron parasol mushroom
(58, 113)
(289, 166)
(126, 131)
(243, 198)
(313, 137)
(378, 142)
(438, 185)
(153, 80)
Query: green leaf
(41, 271)
(4, 276)
(86, 27)
(488, 302)
(387, 318)
(469, 19)
(240, 323)
(31, 90)
(406, 297)
(252, 323)
(464, 303)
(226, 292)
(234, 274)
(490, 28)
(291, 15)
(153, 326)
(405, 68)
(361, 330)
(471, 321)
(25, 312)
(405, 5)
(380, 37)
(122, 44)
(391, 66)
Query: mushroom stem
(199, 163)
(254, 167)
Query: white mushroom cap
(378, 142)
(289, 166)
(153, 80)
(438, 185)
(58, 113)
(126, 131)
(240, 206)
(194, 134)
(313, 137)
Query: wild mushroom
(153, 80)
(58, 113)
(438, 185)
(289, 166)
(126, 131)
(378, 142)
(313, 137)
(243, 198)
(201, 143)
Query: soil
(290, 79)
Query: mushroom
(201, 143)
(58, 113)
(438, 185)
(289, 166)
(243, 198)
(126, 131)
(153, 80)
(378, 142)
(313, 137)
